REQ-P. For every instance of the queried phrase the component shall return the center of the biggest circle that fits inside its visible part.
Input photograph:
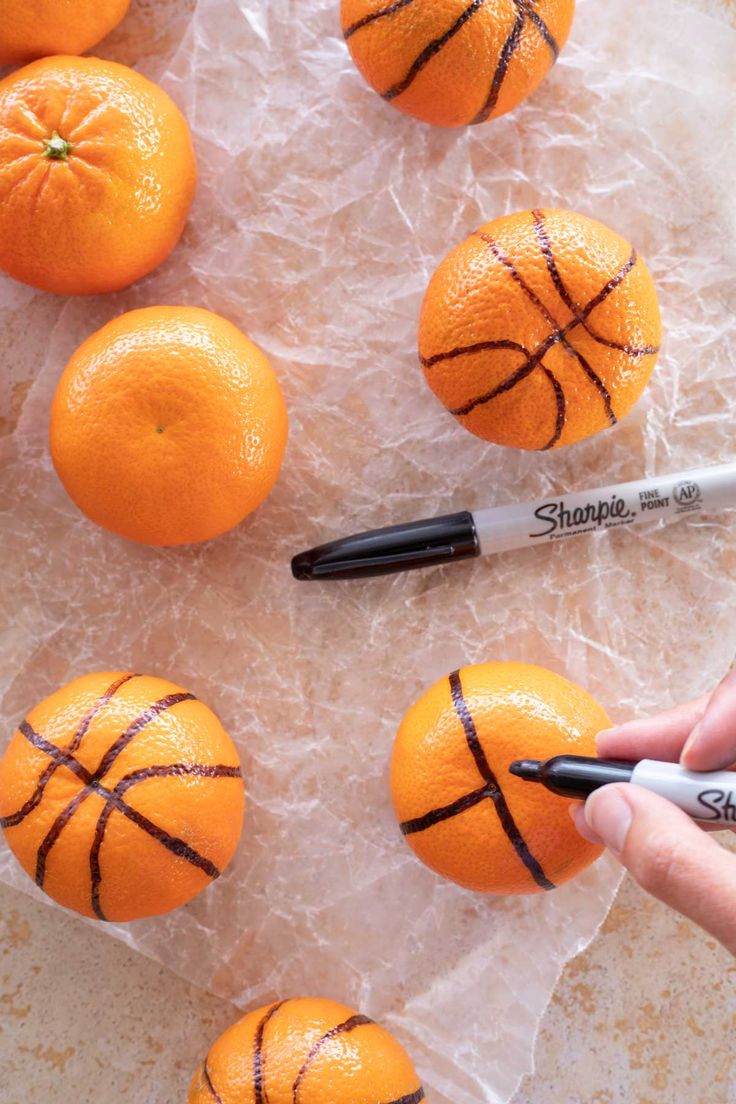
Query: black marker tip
(528, 769)
(301, 566)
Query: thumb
(667, 854)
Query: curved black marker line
(611, 286)
(373, 16)
(608, 289)
(544, 30)
(560, 401)
(99, 704)
(524, 11)
(504, 60)
(431, 50)
(136, 726)
(594, 378)
(412, 1098)
(94, 859)
(341, 1029)
(60, 756)
(545, 245)
(113, 800)
(579, 320)
(445, 812)
(208, 1082)
(478, 347)
(471, 733)
(174, 844)
(259, 1085)
(511, 381)
(519, 279)
(91, 781)
(26, 809)
(173, 770)
(495, 793)
(633, 351)
(35, 799)
(54, 832)
(499, 801)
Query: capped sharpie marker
(707, 795)
(465, 535)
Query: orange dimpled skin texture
(37, 28)
(122, 796)
(97, 175)
(461, 811)
(540, 329)
(455, 62)
(168, 426)
(306, 1051)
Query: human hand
(667, 853)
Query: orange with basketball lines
(306, 1051)
(121, 795)
(460, 810)
(540, 329)
(455, 62)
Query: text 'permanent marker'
(707, 796)
(501, 528)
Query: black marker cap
(397, 548)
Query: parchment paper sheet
(320, 217)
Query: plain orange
(461, 810)
(39, 28)
(97, 175)
(168, 426)
(306, 1051)
(455, 62)
(540, 329)
(121, 795)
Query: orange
(121, 795)
(460, 809)
(168, 426)
(97, 175)
(306, 1051)
(36, 28)
(540, 329)
(455, 62)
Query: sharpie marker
(707, 796)
(465, 535)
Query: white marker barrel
(709, 797)
(548, 519)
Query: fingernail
(577, 815)
(601, 737)
(609, 815)
(606, 734)
(690, 743)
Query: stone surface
(320, 217)
(646, 1015)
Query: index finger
(660, 737)
(713, 745)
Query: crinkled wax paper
(320, 217)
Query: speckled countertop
(646, 1015)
